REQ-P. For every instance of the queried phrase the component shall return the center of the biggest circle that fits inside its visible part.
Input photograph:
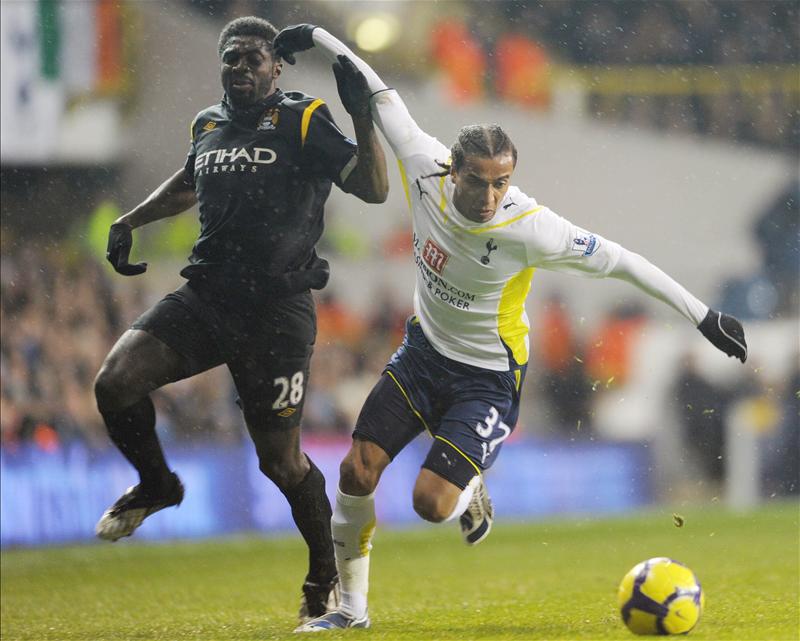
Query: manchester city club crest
(269, 120)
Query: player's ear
(277, 68)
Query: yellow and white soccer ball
(660, 596)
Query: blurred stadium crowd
(61, 310)
(676, 43)
(714, 67)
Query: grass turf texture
(550, 580)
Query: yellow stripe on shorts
(471, 462)
(410, 404)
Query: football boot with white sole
(336, 620)
(319, 599)
(133, 507)
(476, 521)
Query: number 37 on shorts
(492, 431)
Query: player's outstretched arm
(388, 110)
(302, 37)
(368, 180)
(724, 332)
(172, 197)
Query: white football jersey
(472, 278)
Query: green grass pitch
(548, 580)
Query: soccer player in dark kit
(260, 165)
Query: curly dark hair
(247, 26)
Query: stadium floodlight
(376, 32)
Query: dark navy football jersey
(262, 176)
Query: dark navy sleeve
(326, 149)
(188, 168)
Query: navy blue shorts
(468, 409)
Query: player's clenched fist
(725, 333)
(120, 241)
(293, 39)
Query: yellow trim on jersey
(471, 462)
(307, 119)
(517, 378)
(364, 537)
(483, 230)
(512, 329)
(191, 130)
(410, 404)
(404, 178)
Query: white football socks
(461, 504)
(353, 525)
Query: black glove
(293, 39)
(314, 276)
(725, 333)
(120, 241)
(353, 88)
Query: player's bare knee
(430, 507)
(110, 390)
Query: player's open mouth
(241, 83)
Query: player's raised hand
(293, 39)
(353, 88)
(120, 241)
(725, 333)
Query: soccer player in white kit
(477, 240)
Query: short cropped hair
(484, 141)
(247, 26)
